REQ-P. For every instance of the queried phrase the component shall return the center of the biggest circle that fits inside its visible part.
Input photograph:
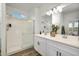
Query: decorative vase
(52, 34)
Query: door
(13, 36)
(42, 46)
(19, 35)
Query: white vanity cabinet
(49, 47)
(40, 45)
(53, 49)
(57, 49)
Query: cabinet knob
(38, 43)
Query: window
(18, 15)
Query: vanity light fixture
(49, 12)
(55, 11)
(59, 8)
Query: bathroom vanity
(59, 45)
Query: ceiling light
(55, 10)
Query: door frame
(3, 30)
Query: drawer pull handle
(57, 53)
(60, 53)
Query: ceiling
(71, 7)
(30, 6)
(28, 9)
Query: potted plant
(54, 30)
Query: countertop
(69, 40)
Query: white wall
(0, 26)
(70, 16)
(36, 18)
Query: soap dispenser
(62, 30)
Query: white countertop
(70, 40)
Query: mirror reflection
(71, 19)
(65, 16)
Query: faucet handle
(64, 36)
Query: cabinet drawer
(65, 47)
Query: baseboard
(9, 54)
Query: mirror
(66, 16)
(71, 19)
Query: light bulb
(49, 12)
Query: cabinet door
(52, 51)
(36, 43)
(13, 37)
(42, 46)
(64, 53)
